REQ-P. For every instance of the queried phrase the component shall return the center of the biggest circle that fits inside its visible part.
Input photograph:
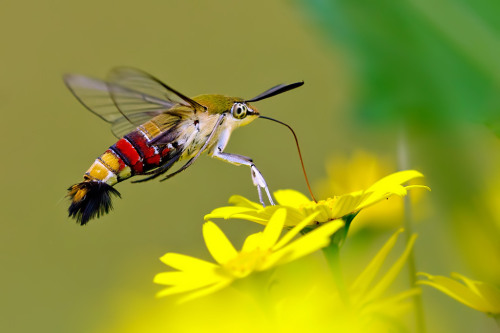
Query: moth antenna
(300, 155)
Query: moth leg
(257, 178)
(259, 191)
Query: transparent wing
(123, 126)
(128, 99)
(151, 90)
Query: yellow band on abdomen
(98, 171)
(150, 129)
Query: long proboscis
(300, 154)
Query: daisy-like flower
(304, 300)
(478, 295)
(299, 206)
(260, 252)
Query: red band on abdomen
(141, 144)
(128, 151)
(151, 156)
(138, 168)
(153, 160)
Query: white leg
(257, 178)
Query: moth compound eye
(239, 110)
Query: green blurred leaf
(418, 60)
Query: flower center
(322, 206)
(246, 262)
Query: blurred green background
(412, 80)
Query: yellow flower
(303, 299)
(478, 295)
(299, 206)
(260, 252)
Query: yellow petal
(170, 278)
(262, 216)
(395, 178)
(293, 216)
(227, 212)
(491, 294)
(241, 201)
(186, 263)
(457, 291)
(395, 304)
(177, 278)
(205, 291)
(192, 282)
(471, 284)
(252, 242)
(218, 245)
(307, 244)
(399, 190)
(391, 274)
(411, 187)
(390, 185)
(363, 281)
(348, 203)
(295, 231)
(372, 198)
(273, 229)
(291, 198)
(486, 291)
(180, 289)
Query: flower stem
(412, 270)
(332, 255)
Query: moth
(156, 126)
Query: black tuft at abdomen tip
(90, 199)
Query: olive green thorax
(217, 104)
